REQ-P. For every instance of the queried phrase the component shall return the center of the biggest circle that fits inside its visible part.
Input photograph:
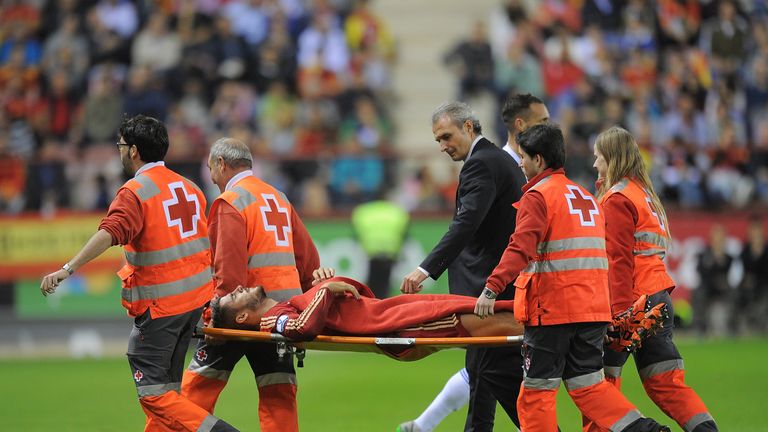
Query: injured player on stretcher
(343, 306)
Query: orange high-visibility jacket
(168, 267)
(567, 280)
(651, 241)
(267, 215)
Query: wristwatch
(489, 294)
(68, 268)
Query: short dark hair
(546, 140)
(518, 105)
(221, 317)
(149, 136)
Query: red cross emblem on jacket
(182, 210)
(582, 205)
(276, 219)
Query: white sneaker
(409, 426)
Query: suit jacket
(489, 183)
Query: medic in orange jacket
(637, 238)
(256, 238)
(558, 260)
(574, 285)
(159, 217)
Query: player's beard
(255, 300)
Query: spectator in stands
(235, 104)
(276, 58)
(365, 125)
(119, 16)
(678, 21)
(67, 49)
(366, 30)
(517, 72)
(357, 174)
(156, 47)
(105, 44)
(13, 176)
(144, 94)
(713, 295)
(472, 63)
(751, 305)
(230, 51)
(323, 46)
(249, 18)
(725, 39)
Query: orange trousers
(601, 401)
(278, 410)
(172, 412)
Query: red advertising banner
(691, 233)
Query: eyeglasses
(121, 144)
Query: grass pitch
(357, 392)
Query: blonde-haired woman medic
(637, 236)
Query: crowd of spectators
(307, 84)
(689, 79)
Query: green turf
(354, 392)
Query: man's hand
(339, 289)
(485, 303)
(50, 282)
(412, 282)
(322, 274)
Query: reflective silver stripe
(209, 372)
(169, 254)
(275, 378)
(151, 292)
(660, 367)
(650, 252)
(208, 423)
(620, 186)
(571, 244)
(625, 421)
(567, 264)
(158, 389)
(613, 371)
(272, 259)
(652, 238)
(542, 383)
(282, 196)
(148, 188)
(244, 198)
(582, 381)
(697, 420)
(540, 182)
(283, 295)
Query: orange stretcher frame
(398, 348)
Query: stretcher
(398, 348)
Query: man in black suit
(489, 183)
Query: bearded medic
(257, 238)
(557, 258)
(637, 237)
(159, 217)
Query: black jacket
(489, 183)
